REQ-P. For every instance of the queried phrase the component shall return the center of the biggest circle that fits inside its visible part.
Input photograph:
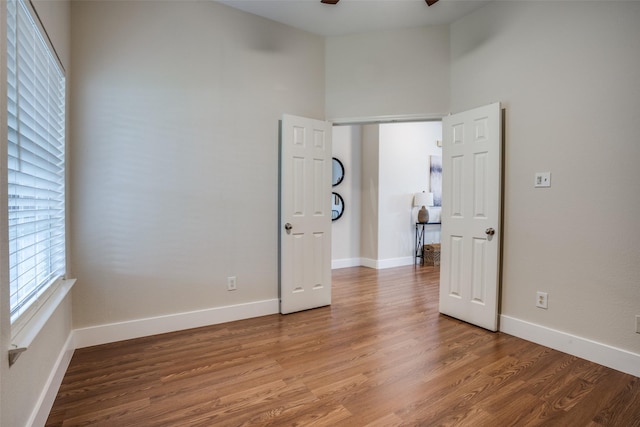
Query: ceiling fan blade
(431, 2)
(332, 1)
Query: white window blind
(36, 168)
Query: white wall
(389, 73)
(22, 385)
(175, 145)
(369, 195)
(567, 74)
(405, 149)
(345, 231)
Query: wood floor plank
(380, 355)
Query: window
(35, 162)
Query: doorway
(385, 165)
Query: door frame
(401, 260)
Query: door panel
(305, 214)
(455, 270)
(478, 284)
(471, 205)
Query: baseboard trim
(345, 263)
(50, 391)
(380, 264)
(103, 334)
(603, 354)
(368, 262)
(395, 262)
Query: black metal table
(419, 241)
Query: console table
(419, 241)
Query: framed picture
(435, 179)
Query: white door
(471, 207)
(305, 214)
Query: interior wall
(369, 195)
(175, 145)
(388, 73)
(22, 385)
(567, 74)
(345, 231)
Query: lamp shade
(423, 199)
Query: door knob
(490, 231)
(288, 227)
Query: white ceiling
(357, 16)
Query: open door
(471, 208)
(305, 214)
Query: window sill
(31, 327)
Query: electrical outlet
(542, 300)
(637, 323)
(542, 179)
(231, 283)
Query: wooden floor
(381, 355)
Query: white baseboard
(113, 332)
(345, 263)
(380, 264)
(48, 396)
(603, 354)
(368, 262)
(395, 262)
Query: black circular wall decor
(337, 206)
(338, 172)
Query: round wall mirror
(337, 206)
(338, 172)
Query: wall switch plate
(231, 283)
(543, 179)
(542, 300)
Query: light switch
(543, 179)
